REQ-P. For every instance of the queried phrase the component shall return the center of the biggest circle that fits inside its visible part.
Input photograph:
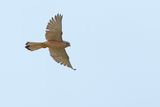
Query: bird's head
(67, 43)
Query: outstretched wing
(54, 28)
(60, 56)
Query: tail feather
(32, 46)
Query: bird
(54, 42)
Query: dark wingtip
(73, 68)
(27, 47)
(27, 43)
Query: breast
(54, 43)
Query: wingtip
(27, 43)
(58, 14)
(27, 46)
(74, 69)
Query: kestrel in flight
(54, 42)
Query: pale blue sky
(115, 46)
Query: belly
(54, 44)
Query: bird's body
(54, 42)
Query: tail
(32, 46)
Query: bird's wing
(60, 56)
(54, 28)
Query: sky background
(115, 47)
